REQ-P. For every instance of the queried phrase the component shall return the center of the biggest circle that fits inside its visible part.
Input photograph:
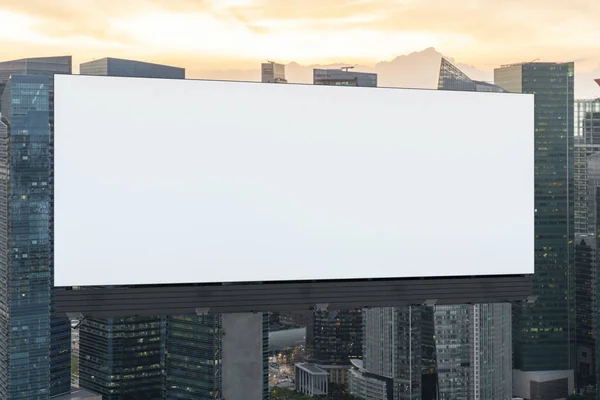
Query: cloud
(480, 32)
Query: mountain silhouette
(418, 69)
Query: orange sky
(232, 34)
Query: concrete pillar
(242, 356)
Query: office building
(452, 78)
(343, 77)
(587, 179)
(473, 342)
(586, 318)
(193, 354)
(337, 334)
(39, 353)
(391, 367)
(125, 356)
(544, 334)
(587, 142)
(122, 358)
(130, 68)
(272, 72)
(473, 347)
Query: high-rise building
(337, 334)
(122, 358)
(39, 353)
(272, 72)
(587, 179)
(473, 342)
(343, 77)
(193, 354)
(130, 68)
(585, 317)
(391, 367)
(172, 357)
(473, 347)
(125, 357)
(544, 334)
(587, 142)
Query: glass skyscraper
(587, 180)
(25, 236)
(193, 354)
(38, 360)
(337, 334)
(125, 357)
(391, 367)
(473, 342)
(544, 334)
(170, 357)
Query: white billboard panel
(183, 181)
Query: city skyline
(219, 39)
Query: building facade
(122, 358)
(391, 367)
(272, 72)
(544, 335)
(23, 114)
(125, 357)
(473, 342)
(587, 142)
(130, 68)
(341, 77)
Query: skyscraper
(587, 179)
(272, 72)
(473, 342)
(125, 357)
(122, 358)
(173, 357)
(337, 334)
(38, 341)
(392, 353)
(26, 272)
(544, 334)
(587, 142)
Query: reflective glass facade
(544, 335)
(25, 232)
(193, 346)
(338, 336)
(60, 330)
(392, 355)
(122, 358)
(452, 78)
(587, 142)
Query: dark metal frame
(120, 301)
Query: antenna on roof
(347, 68)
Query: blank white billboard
(183, 181)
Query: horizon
(214, 38)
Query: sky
(209, 35)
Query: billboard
(189, 181)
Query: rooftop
(312, 369)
